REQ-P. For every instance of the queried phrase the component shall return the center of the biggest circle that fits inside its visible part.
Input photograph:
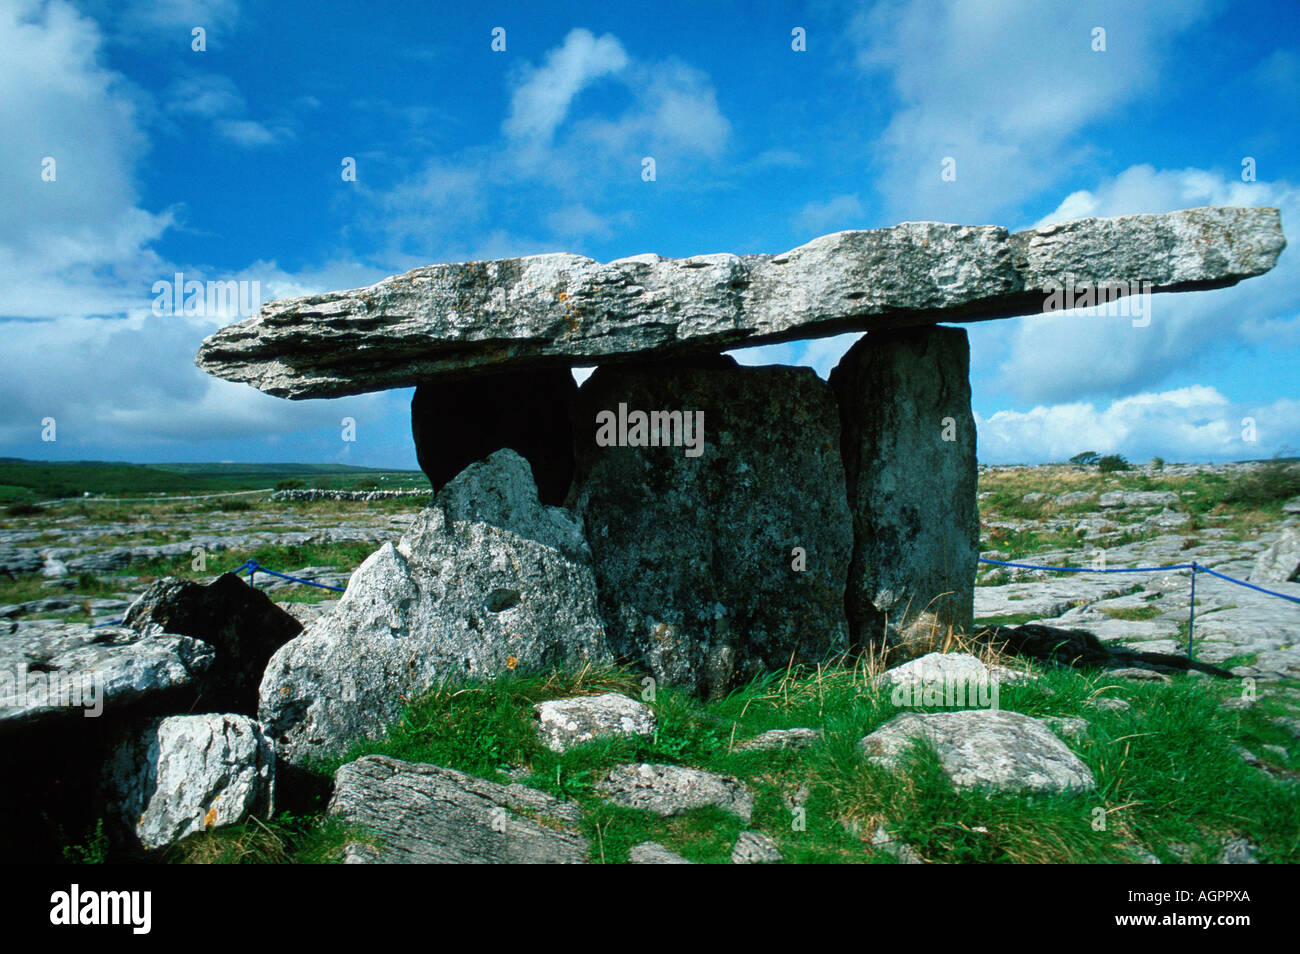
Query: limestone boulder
(74, 672)
(1280, 561)
(187, 774)
(984, 749)
(668, 790)
(452, 600)
(563, 724)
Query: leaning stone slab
(424, 814)
(983, 748)
(75, 671)
(186, 774)
(560, 310)
(667, 790)
(715, 566)
(909, 457)
(563, 724)
(452, 600)
(238, 621)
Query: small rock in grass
(653, 853)
(566, 723)
(755, 848)
(788, 739)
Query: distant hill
(41, 480)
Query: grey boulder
(452, 600)
(986, 749)
(425, 814)
(238, 621)
(755, 848)
(186, 774)
(653, 853)
(1280, 561)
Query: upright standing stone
(715, 567)
(456, 423)
(909, 454)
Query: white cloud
(542, 97)
(1187, 424)
(250, 133)
(1059, 357)
(1005, 89)
(835, 214)
(81, 242)
(208, 95)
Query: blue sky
(224, 164)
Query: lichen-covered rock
(984, 748)
(909, 455)
(186, 774)
(452, 599)
(565, 723)
(560, 310)
(716, 566)
(425, 814)
(667, 790)
(74, 672)
(238, 621)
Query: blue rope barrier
(253, 566)
(1087, 569)
(1252, 586)
(1193, 566)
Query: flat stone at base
(424, 814)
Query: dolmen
(698, 518)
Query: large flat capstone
(560, 310)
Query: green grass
(28, 479)
(1166, 772)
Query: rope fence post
(1191, 612)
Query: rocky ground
(77, 564)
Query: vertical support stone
(714, 568)
(456, 423)
(909, 456)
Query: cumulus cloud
(542, 97)
(1186, 424)
(1062, 356)
(1005, 89)
(78, 240)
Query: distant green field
(22, 480)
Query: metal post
(1191, 613)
